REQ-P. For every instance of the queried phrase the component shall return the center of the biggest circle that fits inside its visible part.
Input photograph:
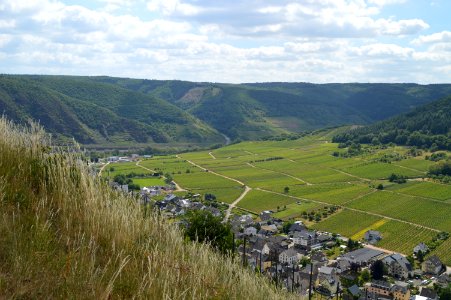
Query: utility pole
(292, 281)
(233, 245)
(310, 281)
(244, 251)
(338, 290)
(261, 271)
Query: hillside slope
(426, 126)
(120, 111)
(249, 111)
(99, 113)
(65, 234)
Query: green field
(258, 201)
(424, 189)
(315, 178)
(346, 222)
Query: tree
(286, 190)
(365, 276)
(380, 186)
(420, 256)
(168, 178)
(206, 228)
(377, 270)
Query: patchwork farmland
(298, 177)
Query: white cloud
(439, 37)
(223, 41)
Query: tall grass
(65, 234)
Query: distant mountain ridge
(120, 111)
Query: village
(307, 262)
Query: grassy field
(424, 189)
(311, 173)
(258, 201)
(346, 222)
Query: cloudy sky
(230, 40)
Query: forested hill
(428, 126)
(99, 113)
(111, 111)
(249, 111)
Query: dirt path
(231, 206)
(369, 246)
(286, 174)
(177, 187)
(247, 189)
(349, 174)
(103, 168)
(211, 154)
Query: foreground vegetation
(65, 234)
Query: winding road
(247, 189)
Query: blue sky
(229, 40)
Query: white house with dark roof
(289, 256)
(398, 266)
(432, 265)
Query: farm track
(415, 196)
(177, 187)
(353, 209)
(349, 174)
(211, 154)
(103, 168)
(411, 169)
(247, 189)
(286, 174)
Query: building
(289, 256)
(250, 231)
(372, 236)
(265, 215)
(432, 265)
(378, 289)
(398, 266)
(361, 257)
(400, 292)
(420, 247)
(304, 238)
(428, 293)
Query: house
(250, 231)
(319, 256)
(400, 292)
(113, 158)
(327, 273)
(214, 211)
(428, 293)
(443, 280)
(296, 226)
(289, 256)
(398, 266)
(354, 291)
(372, 236)
(304, 238)
(185, 203)
(362, 256)
(420, 247)
(171, 198)
(378, 289)
(265, 215)
(432, 265)
(242, 221)
(269, 229)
